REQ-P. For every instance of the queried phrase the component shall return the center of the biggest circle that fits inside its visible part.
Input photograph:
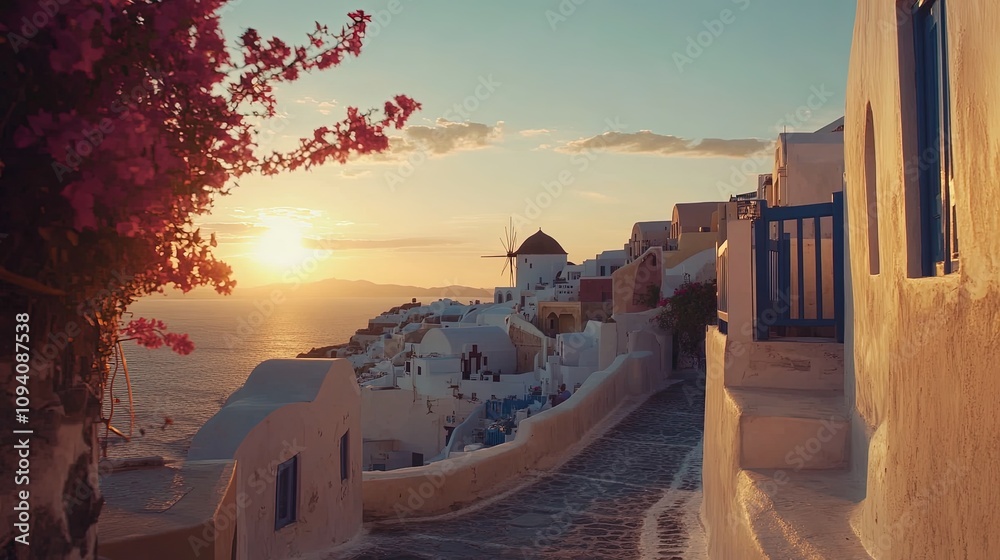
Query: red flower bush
(692, 307)
(121, 121)
(125, 120)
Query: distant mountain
(335, 287)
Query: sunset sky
(524, 90)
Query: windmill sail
(509, 244)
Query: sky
(579, 117)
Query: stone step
(791, 430)
(790, 363)
(803, 515)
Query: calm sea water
(231, 337)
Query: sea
(174, 395)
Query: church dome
(540, 244)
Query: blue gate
(790, 293)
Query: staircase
(794, 486)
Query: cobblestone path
(632, 493)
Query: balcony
(775, 382)
(781, 271)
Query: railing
(722, 276)
(494, 436)
(752, 195)
(784, 298)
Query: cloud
(323, 107)
(251, 223)
(535, 132)
(354, 173)
(646, 142)
(399, 243)
(443, 138)
(230, 231)
(596, 196)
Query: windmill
(509, 244)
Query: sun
(281, 245)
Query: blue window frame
(345, 457)
(940, 239)
(287, 493)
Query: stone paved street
(632, 493)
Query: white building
(447, 357)
(605, 264)
(540, 263)
(808, 167)
(540, 259)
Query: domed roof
(540, 244)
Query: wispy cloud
(596, 196)
(354, 173)
(245, 224)
(443, 138)
(324, 107)
(647, 142)
(535, 132)
(398, 243)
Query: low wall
(726, 525)
(192, 527)
(541, 443)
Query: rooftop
(540, 244)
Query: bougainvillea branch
(122, 121)
(125, 120)
(152, 333)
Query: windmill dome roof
(540, 244)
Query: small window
(420, 370)
(531, 265)
(937, 204)
(345, 456)
(287, 493)
(871, 193)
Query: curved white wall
(541, 443)
(700, 266)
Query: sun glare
(281, 245)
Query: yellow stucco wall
(688, 245)
(631, 282)
(927, 350)
(566, 314)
